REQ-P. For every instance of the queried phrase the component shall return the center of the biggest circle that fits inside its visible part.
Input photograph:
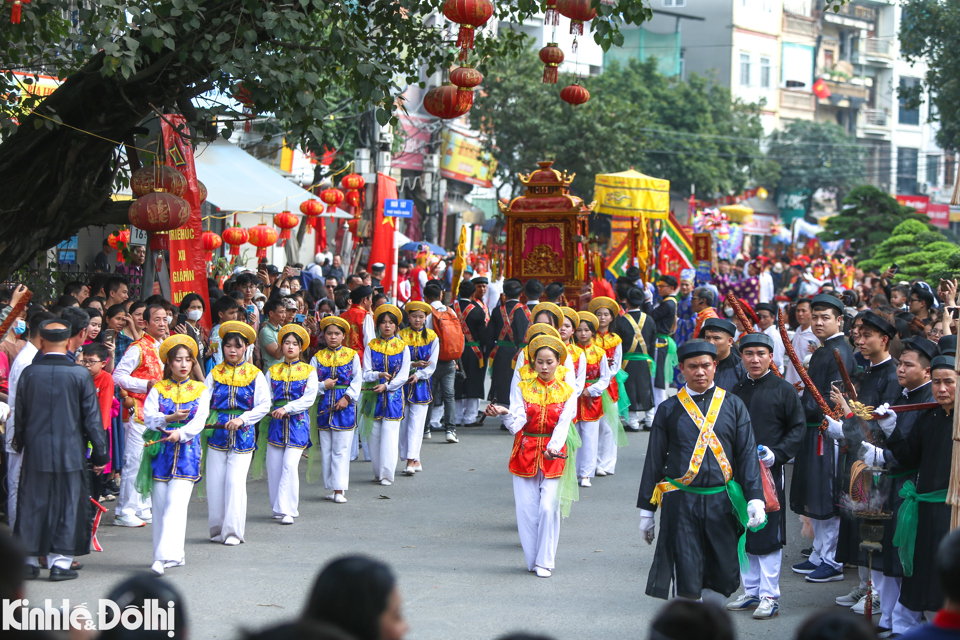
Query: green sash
(260, 455)
(212, 419)
(633, 357)
(905, 538)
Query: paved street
(450, 535)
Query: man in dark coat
(812, 488)
(638, 333)
(779, 425)
(730, 370)
(468, 388)
(701, 468)
(665, 320)
(57, 415)
(508, 325)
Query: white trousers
(904, 619)
(411, 431)
(170, 502)
(606, 448)
(659, 396)
(763, 578)
(384, 442)
(335, 454)
(356, 445)
(826, 533)
(283, 479)
(633, 419)
(587, 453)
(466, 410)
(129, 502)
(538, 519)
(888, 588)
(53, 560)
(436, 417)
(14, 462)
(227, 493)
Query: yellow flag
(459, 262)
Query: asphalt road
(450, 535)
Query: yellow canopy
(738, 213)
(630, 193)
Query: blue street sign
(398, 208)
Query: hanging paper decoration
(579, 11)
(286, 221)
(575, 94)
(551, 56)
(146, 180)
(119, 240)
(332, 198)
(235, 236)
(550, 13)
(445, 102)
(470, 15)
(466, 78)
(354, 184)
(211, 242)
(262, 236)
(203, 191)
(16, 9)
(311, 209)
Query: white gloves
(871, 455)
(888, 421)
(834, 428)
(647, 525)
(766, 456)
(4, 412)
(647, 295)
(756, 511)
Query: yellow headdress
(173, 341)
(586, 316)
(336, 321)
(540, 329)
(603, 302)
(554, 344)
(296, 329)
(235, 326)
(387, 308)
(416, 305)
(550, 308)
(573, 315)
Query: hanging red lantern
(211, 242)
(262, 236)
(16, 9)
(445, 102)
(551, 56)
(470, 15)
(235, 236)
(550, 13)
(579, 11)
(159, 211)
(311, 209)
(286, 221)
(118, 240)
(354, 184)
(575, 94)
(202, 188)
(466, 78)
(332, 198)
(146, 180)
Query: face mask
(284, 292)
(728, 312)
(194, 314)
(260, 305)
(19, 327)
(169, 319)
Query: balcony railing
(878, 47)
(875, 118)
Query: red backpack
(446, 324)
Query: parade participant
(813, 485)
(665, 319)
(533, 289)
(746, 288)
(540, 414)
(360, 318)
(638, 335)
(913, 374)
(553, 292)
(340, 374)
(924, 517)
(508, 325)
(446, 324)
(386, 368)
(730, 369)
(686, 316)
(590, 407)
(174, 414)
(611, 427)
(779, 424)
(240, 398)
(57, 416)
(136, 373)
(804, 341)
(703, 305)
(524, 367)
(285, 431)
(424, 348)
(468, 389)
(567, 329)
(700, 544)
(767, 324)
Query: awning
(236, 181)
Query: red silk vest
(544, 404)
(355, 315)
(150, 368)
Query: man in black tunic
(779, 425)
(639, 334)
(57, 415)
(702, 469)
(468, 389)
(913, 374)
(730, 369)
(924, 517)
(814, 470)
(508, 324)
(665, 319)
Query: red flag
(820, 89)
(382, 249)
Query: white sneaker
(861, 606)
(452, 437)
(385, 483)
(331, 497)
(409, 470)
(157, 567)
(745, 602)
(232, 541)
(600, 473)
(146, 516)
(851, 598)
(543, 573)
(426, 435)
(287, 520)
(174, 563)
(339, 498)
(129, 521)
(585, 482)
(277, 516)
(769, 608)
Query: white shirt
(598, 387)
(155, 419)
(369, 331)
(778, 349)
(305, 401)
(494, 289)
(372, 375)
(261, 399)
(436, 304)
(516, 417)
(23, 360)
(127, 365)
(802, 338)
(356, 379)
(767, 291)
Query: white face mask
(728, 312)
(194, 314)
(284, 292)
(260, 305)
(169, 319)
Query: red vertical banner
(381, 250)
(188, 269)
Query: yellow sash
(706, 439)
(637, 328)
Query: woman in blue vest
(424, 351)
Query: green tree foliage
(917, 250)
(814, 156)
(869, 217)
(688, 133)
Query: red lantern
(445, 102)
(211, 242)
(118, 240)
(286, 221)
(159, 211)
(235, 236)
(469, 14)
(262, 236)
(354, 183)
(202, 188)
(550, 14)
(15, 10)
(551, 56)
(579, 11)
(311, 208)
(466, 78)
(146, 180)
(332, 197)
(575, 94)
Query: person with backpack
(444, 322)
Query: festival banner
(676, 251)
(188, 269)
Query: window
(908, 116)
(674, 3)
(933, 170)
(744, 69)
(765, 73)
(907, 160)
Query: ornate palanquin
(547, 234)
